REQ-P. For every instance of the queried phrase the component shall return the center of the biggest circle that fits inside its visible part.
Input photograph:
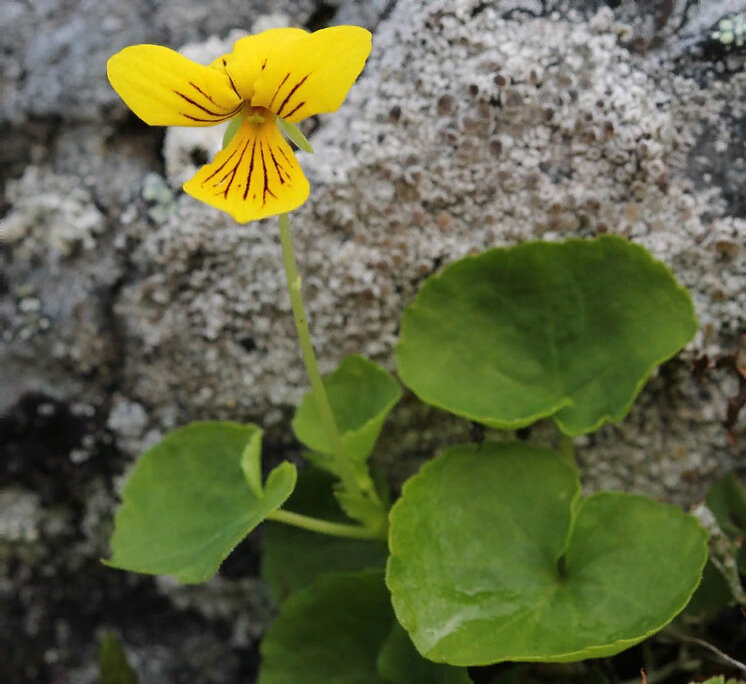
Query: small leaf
(361, 395)
(399, 663)
(112, 662)
(293, 133)
(187, 502)
(364, 504)
(293, 558)
(570, 330)
(231, 129)
(727, 501)
(720, 680)
(494, 557)
(339, 629)
(368, 512)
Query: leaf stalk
(325, 526)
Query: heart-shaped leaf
(192, 498)
(570, 330)
(293, 558)
(361, 395)
(495, 557)
(338, 630)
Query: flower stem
(344, 466)
(325, 526)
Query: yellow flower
(287, 73)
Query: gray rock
(53, 52)
(19, 516)
(56, 233)
(368, 13)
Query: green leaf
(187, 502)
(570, 330)
(292, 132)
(231, 129)
(727, 501)
(495, 557)
(336, 631)
(719, 680)
(361, 395)
(329, 632)
(113, 666)
(293, 558)
(399, 663)
(712, 596)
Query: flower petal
(165, 88)
(312, 75)
(255, 176)
(249, 56)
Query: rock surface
(128, 308)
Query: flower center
(255, 115)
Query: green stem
(325, 526)
(344, 466)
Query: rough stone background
(127, 308)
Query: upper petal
(255, 176)
(249, 56)
(165, 88)
(312, 74)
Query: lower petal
(255, 176)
